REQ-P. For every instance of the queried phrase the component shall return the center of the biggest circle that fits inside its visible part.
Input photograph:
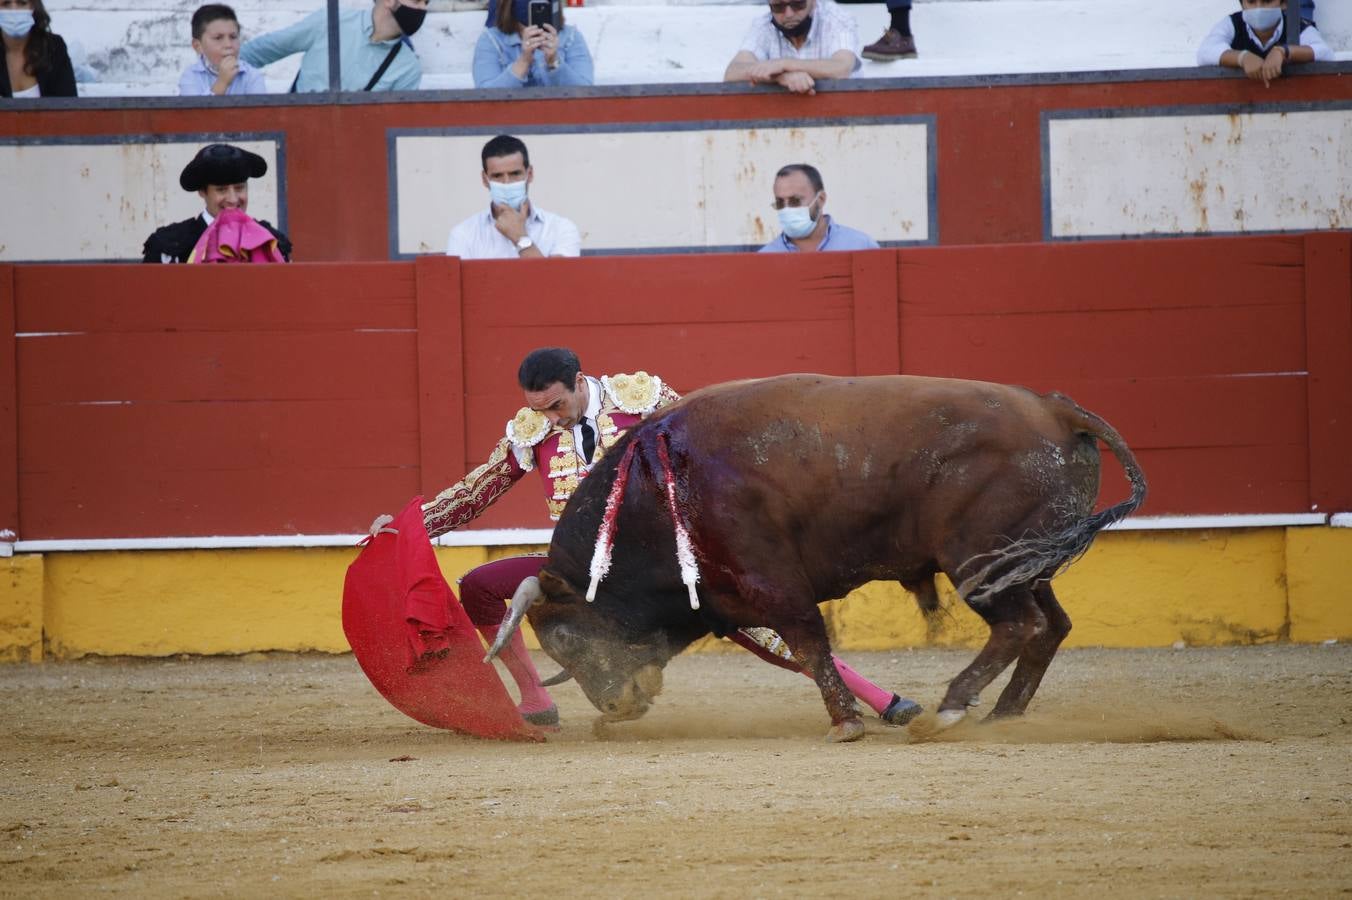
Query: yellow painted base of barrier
(1133, 589)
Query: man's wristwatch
(524, 243)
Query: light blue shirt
(495, 52)
(358, 55)
(838, 237)
(197, 80)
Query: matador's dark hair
(548, 365)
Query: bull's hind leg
(1012, 617)
(1053, 626)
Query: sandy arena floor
(1161, 773)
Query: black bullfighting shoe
(545, 718)
(900, 710)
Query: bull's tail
(1040, 557)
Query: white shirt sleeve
(568, 240)
(1310, 37)
(1217, 41)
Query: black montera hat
(221, 164)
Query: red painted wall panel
(308, 407)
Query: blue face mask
(1262, 18)
(16, 22)
(797, 221)
(511, 193)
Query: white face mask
(16, 22)
(206, 64)
(510, 193)
(1262, 18)
(798, 221)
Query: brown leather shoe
(891, 46)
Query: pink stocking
(515, 656)
(877, 699)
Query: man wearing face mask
(1254, 40)
(512, 227)
(220, 174)
(373, 50)
(800, 198)
(795, 43)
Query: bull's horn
(560, 678)
(526, 594)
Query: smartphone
(542, 12)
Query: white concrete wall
(91, 201)
(1200, 174)
(877, 180)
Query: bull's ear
(555, 588)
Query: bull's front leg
(807, 640)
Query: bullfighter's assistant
(569, 421)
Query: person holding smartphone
(525, 43)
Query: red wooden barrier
(9, 409)
(1328, 323)
(306, 399)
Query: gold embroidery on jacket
(460, 503)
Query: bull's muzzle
(634, 697)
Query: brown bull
(800, 488)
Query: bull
(794, 490)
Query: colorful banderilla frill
(605, 535)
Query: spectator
(897, 41)
(512, 226)
(371, 47)
(1254, 41)
(795, 43)
(800, 198)
(218, 70)
(512, 54)
(36, 61)
(220, 174)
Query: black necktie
(588, 440)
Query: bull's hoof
(947, 718)
(901, 710)
(845, 731)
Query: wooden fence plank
(441, 377)
(9, 409)
(1328, 323)
(877, 345)
(238, 298)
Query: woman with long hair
(512, 53)
(36, 61)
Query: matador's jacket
(532, 444)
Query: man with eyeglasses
(800, 197)
(796, 43)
